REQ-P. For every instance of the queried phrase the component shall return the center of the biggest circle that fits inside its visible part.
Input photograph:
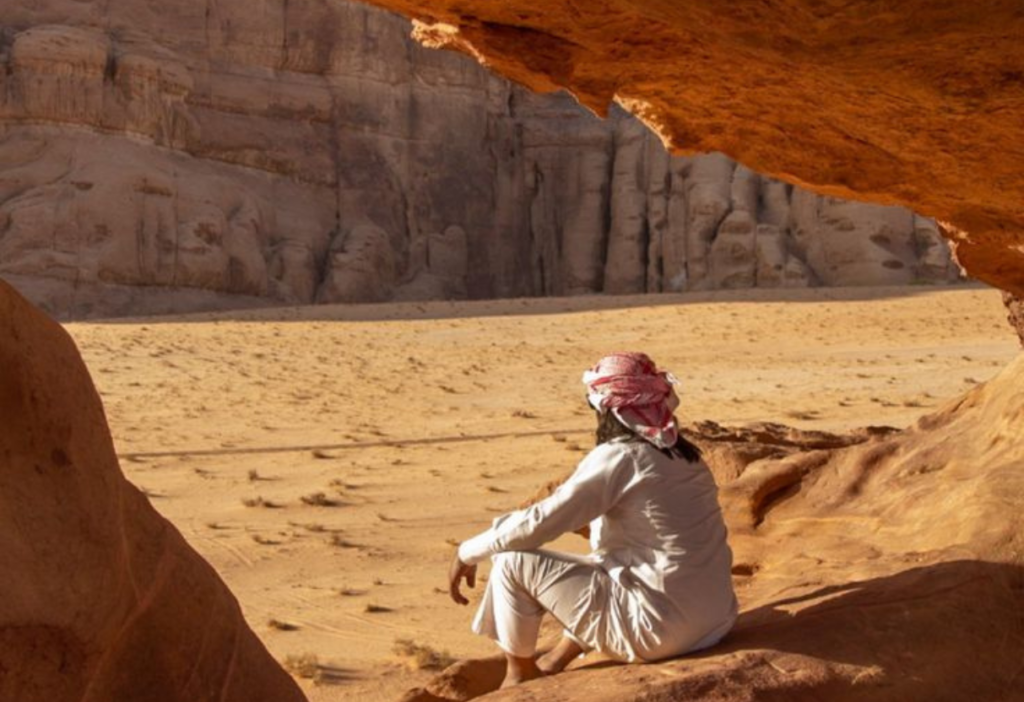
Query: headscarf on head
(637, 393)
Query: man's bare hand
(456, 573)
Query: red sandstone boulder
(102, 599)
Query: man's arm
(591, 491)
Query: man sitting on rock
(657, 581)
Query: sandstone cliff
(203, 155)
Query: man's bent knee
(512, 565)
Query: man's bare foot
(555, 660)
(520, 670)
(546, 663)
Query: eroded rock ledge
(917, 104)
(854, 558)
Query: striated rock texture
(915, 104)
(102, 598)
(881, 566)
(1015, 307)
(158, 157)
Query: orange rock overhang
(917, 103)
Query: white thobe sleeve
(591, 491)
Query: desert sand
(326, 460)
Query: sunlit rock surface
(158, 157)
(854, 558)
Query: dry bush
(305, 665)
(259, 502)
(421, 656)
(372, 608)
(318, 499)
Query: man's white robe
(657, 582)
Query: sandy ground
(326, 460)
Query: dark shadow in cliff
(533, 306)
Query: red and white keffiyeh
(637, 393)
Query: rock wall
(102, 598)
(159, 158)
(917, 105)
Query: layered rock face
(103, 599)
(855, 558)
(162, 158)
(916, 105)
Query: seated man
(657, 582)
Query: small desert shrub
(259, 502)
(318, 499)
(420, 656)
(372, 608)
(305, 665)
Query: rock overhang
(917, 105)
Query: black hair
(609, 427)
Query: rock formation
(102, 598)
(1015, 307)
(884, 565)
(159, 158)
(917, 105)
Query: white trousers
(595, 611)
(523, 585)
